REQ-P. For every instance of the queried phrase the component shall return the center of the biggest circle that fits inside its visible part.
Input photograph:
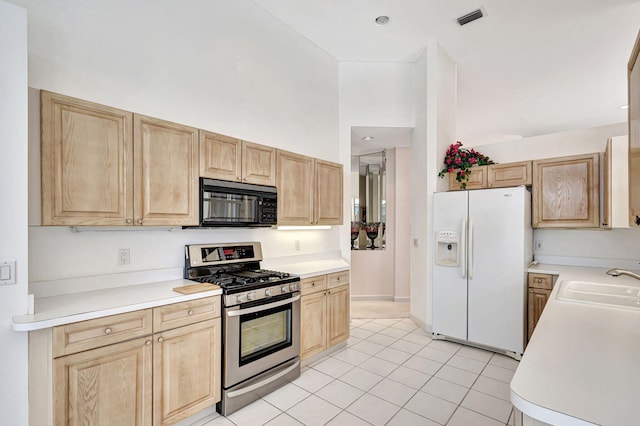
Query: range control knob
(241, 298)
(268, 292)
(251, 295)
(284, 288)
(293, 286)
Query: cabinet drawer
(81, 336)
(544, 281)
(184, 313)
(337, 279)
(313, 284)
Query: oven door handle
(263, 382)
(262, 307)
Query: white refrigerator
(483, 245)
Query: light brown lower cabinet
(186, 372)
(109, 385)
(540, 286)
(160, 378)
(324, 312)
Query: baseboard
(423, 325)
(372, 298)
(402, 299)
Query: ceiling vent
(470, 17)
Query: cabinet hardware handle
(160, 339)
(313, 284)
(129, 221)
(246, 179)
(190, 312)
(139, 221)
(107, 330)
(239, 178)
(147, 343)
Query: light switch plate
(7, 272)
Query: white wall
(384, 274)
(229, 67)
(434, 131)
(376, 94)
(13, 215)
(403, 201)
(595, 247)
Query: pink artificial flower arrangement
(462, 159)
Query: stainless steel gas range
(260, 320)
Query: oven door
(260, 336)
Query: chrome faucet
(615, 272)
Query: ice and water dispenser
(447, 247)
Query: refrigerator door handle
(470, 254)
(463, 248)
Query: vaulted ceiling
(526, 68)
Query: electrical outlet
(124, 257)
(539, 244)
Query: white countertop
(64, 309)
(51, 309)
(311, 268)
(582, 364)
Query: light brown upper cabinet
(105, 166)
(566, 192)
(477, 179)
(510, 174)
(309, 190)
(328, 195)
(634, 136)
(166, 172)
(495, 176)
(86, 162)
(227, 158)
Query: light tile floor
(390, 373)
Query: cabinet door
(313, 322)
(328, 200)
(106, 386)
(258, 164)
(166, 173)
(566, 192)
(295, 189)
(537, 300)
(86, 161)
(634, 136)
(477, 179)
(186, 371)
(337, 315)
(220, 156)
(509, 174)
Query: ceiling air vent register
(470, 17)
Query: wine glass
(372, 232)
(355, 233)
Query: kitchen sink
(615, 295)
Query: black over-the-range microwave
(237, 204)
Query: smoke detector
(382, 20)
(470, 17)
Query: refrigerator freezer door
(449, 293)
(497, 267)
